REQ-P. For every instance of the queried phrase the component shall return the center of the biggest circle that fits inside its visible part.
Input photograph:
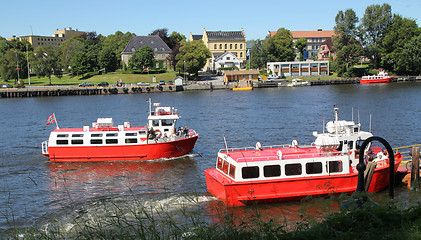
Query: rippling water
(31, 187)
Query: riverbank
(218, 84)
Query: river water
(32, 188)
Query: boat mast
(150, 106)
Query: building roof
(241, 72)
(153, 41)
(309, 34)
(224, 54)
(197, 37)
(225, 35)
(328, 42)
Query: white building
(291, 69)
(225, 60)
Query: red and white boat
(104, 142)
(291, 172)
(382, 77)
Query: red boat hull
(132, 152)
(382, 80)
(242, 193)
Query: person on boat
(186, 131)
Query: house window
(226, 46)
(230, 46)
(235, 46)
(241, 46)
(228, 58)
(220, 46)
(241, 54)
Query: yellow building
(219, 42)
(55, 40)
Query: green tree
(9, 62)
(69, 49)
(142, 58)
(400, 32)
(163, 34)
(257, 55)
(46, 62)
(301, 44)
(80, 63)
(4, 46)
(108, 60)
(348, 49)
(117, 41)
(193, 56)
(412, 55)
(279, 48)
(374, 25)
(176, 38)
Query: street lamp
(17, 65)
(185, 71)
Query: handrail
(253, 148)
(294, 157)
(410, 146)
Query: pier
(46, 91)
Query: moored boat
(105, 142)
(242, 88)
(382, 77)
(289, 172)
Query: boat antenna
(352, 111)
(358, 116)
(370, 123)
(225, 141)
(150, 106)
(323, 127)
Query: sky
(43, 17)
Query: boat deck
(288, 153)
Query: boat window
(232, 171)
(77, 141)
(142, 132)
(131, 134)
(293, 169)
(166, 122)
(272, 171)
(355, 129)
(96, 135)
(219, 163)
(62, 135)
(335, 166)
(131, 140)
(225, 167)
(111, 141)
(62, 142)
(111, 134)
(155, 123)
(250, 172)
(77, 135)
(96, 141)
(314, 167)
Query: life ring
(170, 87)
(158, 133)
(148, 89)
(191, 132)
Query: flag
(51, 119)
(146, 69)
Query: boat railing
(292, 157)
(45, 147)
(253, 148)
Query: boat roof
(105, 129)
(271, 154)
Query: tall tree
(46, 62)
(9, 62)
(374, 25)
(175, 38)
(279, 48)
(401, 31)
(192, 57)
(301, 44)
(348, 49)
(69, 49)
(4, 46)
(412, 55)
(257, 55)
(108, 60)
(142, 58)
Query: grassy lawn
(111, 78)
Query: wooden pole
(415, 171)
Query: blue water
(32, 188)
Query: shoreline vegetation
(185, 219)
